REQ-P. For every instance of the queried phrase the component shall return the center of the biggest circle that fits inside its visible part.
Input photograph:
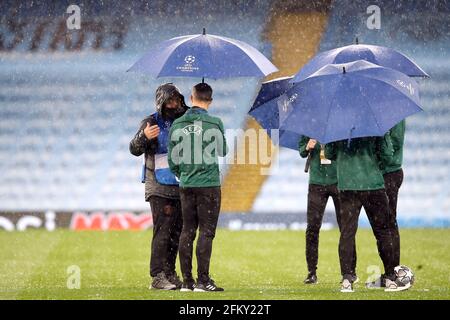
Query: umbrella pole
(350, 137)
(203, 33)
(308, 162)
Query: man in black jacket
(161, 186)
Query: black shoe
(160, 282)
(310, 279)
(354, 279)
(396, 285)
(208, 286)
(188, 286)
(173, 278)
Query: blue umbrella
(270, 90)
(382, 56)
(350, 100)
(265, 110)
(204, 56)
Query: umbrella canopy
(204, 56)
(265, 110)
(270, 90)
(344, 101)
(382, 56)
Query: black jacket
(140, 145)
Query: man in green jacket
(393, 179)
(361, 184)
(322, 185)
(196, 141)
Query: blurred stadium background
(68, 109)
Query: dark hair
(203, 92)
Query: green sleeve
(302, 146)
(386, 149)
(397, 134)
(173, 160)
(224, 150)
(330, 151)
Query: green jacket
(358, 166)
(321, 174)
(397, 134)
(196, 141)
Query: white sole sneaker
(347, 290)
(164, 289)
(346, 286)
(185, 290)
(402, 288)
(199, 290)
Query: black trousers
(200, 207)
(393, 182)
(376, 205)
(317, 200)
(167, 225)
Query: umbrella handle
(308, 162)
(350, 137)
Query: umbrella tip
(343, 70)
(356, 40)
(203, 79)
(204, 31)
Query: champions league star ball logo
(188, 64)
(189, 59)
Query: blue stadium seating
(66, 118)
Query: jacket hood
(165, 92)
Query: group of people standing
(357, 173)
(185, 196)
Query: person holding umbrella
(322, 185)
(322, 174)
(348, 107)
(393, 178)
(201, 56)
(161, 187)
(361, 184)
(196, 141)
(389, 58)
